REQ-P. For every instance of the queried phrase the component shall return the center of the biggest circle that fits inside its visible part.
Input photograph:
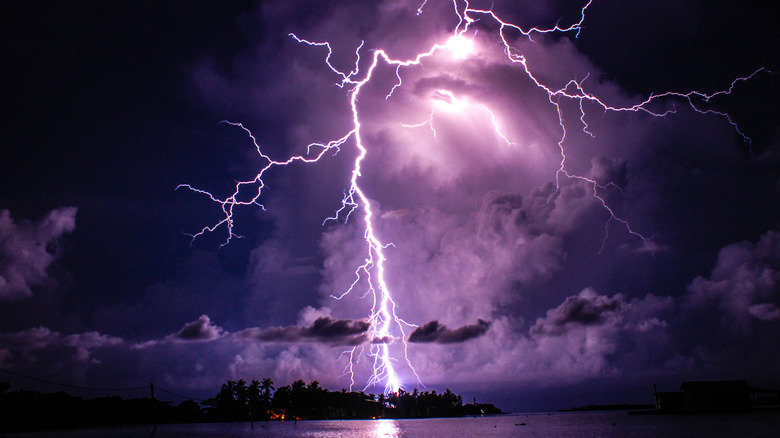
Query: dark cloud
(433, 332)
(28, 248)
(201, 329)
(41, 343)
(586, 308)
(324, 330)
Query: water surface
(573, 425)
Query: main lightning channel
(386, 327)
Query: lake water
(574, 425)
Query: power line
(178, 395)
(97, 388)
(67, 385)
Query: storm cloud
(28, 248)
(323, 329)
(531, 241)
(744, 284)
(587, 308)
(433, 332)
(40, 343)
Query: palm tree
(299, 393)
(240, 390)
(225, 401)
(266, 387)
(254, 399)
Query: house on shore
(716, 396)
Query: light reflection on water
(573, 425)
(386, 429)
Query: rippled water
(602, 424)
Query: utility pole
(655, 395)
(154, 420)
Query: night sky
(518, 285)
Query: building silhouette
(716, 396)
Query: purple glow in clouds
(440, 87)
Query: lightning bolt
(386, 325)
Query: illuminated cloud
(460, 46)
(539, 287)
(744, 285)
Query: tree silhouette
(238, 402)
(242, 398)
(266, 387)
(282, 398)
(255, 401)
(235, 401)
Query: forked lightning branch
(387, 328)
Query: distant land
(235, 401)
(610, 407)
(700, 397)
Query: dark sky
(520, 284)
